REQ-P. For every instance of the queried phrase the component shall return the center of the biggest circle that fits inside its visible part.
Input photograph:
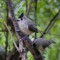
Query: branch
(29, 7)
(35, 15)
(26, 5)
(20, 35)
(6, 42)
(11, 36)
(50, 24)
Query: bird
(26, 25)
(41, 44)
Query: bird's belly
(25, 30)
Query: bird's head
(22, 17)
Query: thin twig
(52, 21)
(29, 7)
(26, 5)
(35, 15)
(11, 36)
(6, 42)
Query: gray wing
(33, 28)
(30, 24)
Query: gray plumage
(41, 43)
(26, 25)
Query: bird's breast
(24, 28)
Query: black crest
(22, 14)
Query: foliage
(46, 9)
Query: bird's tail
(52, 42)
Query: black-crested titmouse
(41, 43)
(26, 25)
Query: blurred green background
(46, 9)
